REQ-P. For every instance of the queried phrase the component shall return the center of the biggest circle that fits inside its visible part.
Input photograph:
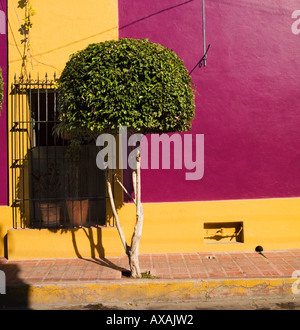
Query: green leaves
(133, 83)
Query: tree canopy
(125, 82)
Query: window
(52, 186)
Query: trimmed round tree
(134, 83)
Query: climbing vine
(24, 30)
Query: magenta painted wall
(248, 105)
(3, 126)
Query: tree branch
(125, 190)
(112, 203)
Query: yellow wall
(6, 223)
(178, 227)
(172, 228)
(72, 243)
(60, 28)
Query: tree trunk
(112, 203)
(133, 251)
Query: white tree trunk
(134, 182)
(133, 251)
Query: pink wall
(248, 105)
(3, 129)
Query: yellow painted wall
(72, 243)
(6, 223)
(172, 228)
(60, 28)
(178, 227)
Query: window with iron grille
(52, 187)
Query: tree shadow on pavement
(15, 295)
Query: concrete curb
(136, 291)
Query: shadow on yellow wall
(5, 225)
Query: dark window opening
(53, 186)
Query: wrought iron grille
(52, 187)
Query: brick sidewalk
(204, 265)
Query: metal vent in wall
(223, 232)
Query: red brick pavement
(202, 265)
